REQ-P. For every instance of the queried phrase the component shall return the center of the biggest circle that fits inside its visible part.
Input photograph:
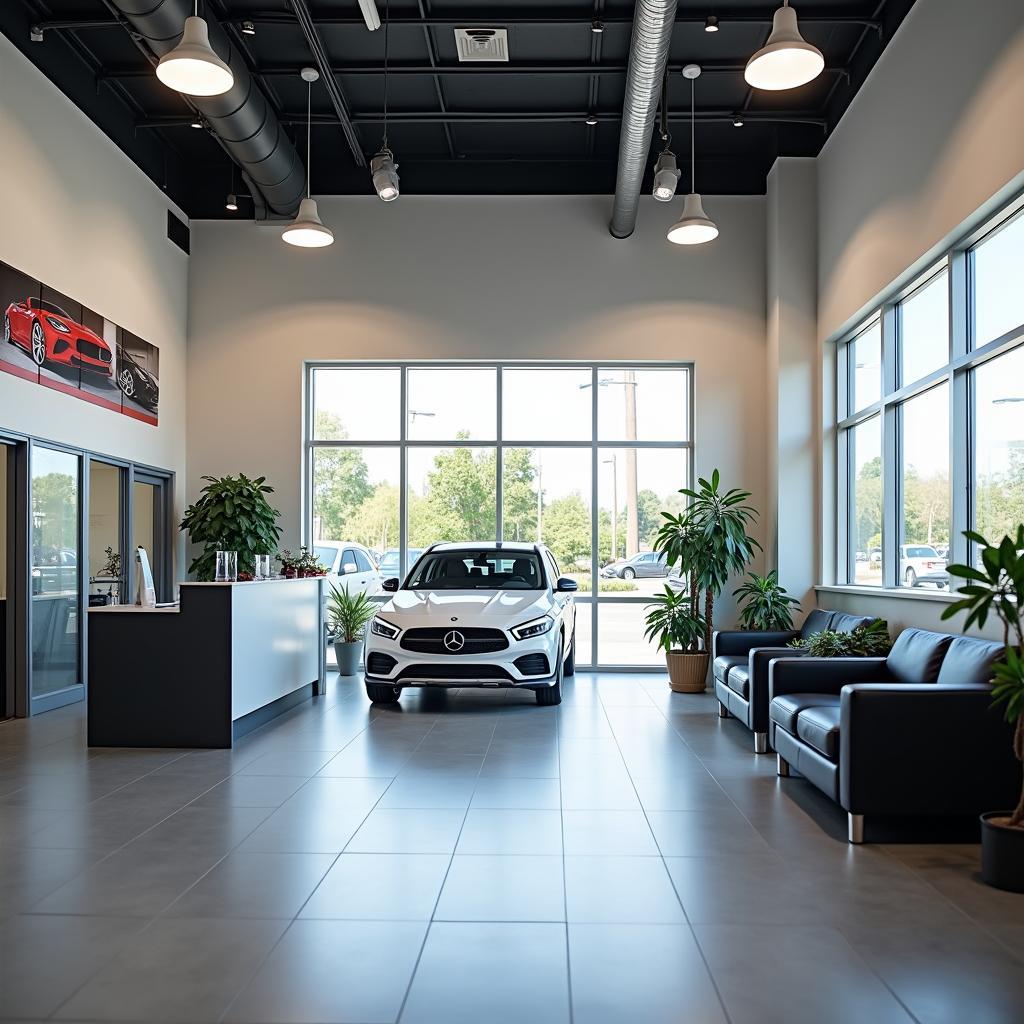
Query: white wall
(79, 216)
(469, 277)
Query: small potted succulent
(765, 605)
(679, 630)
(348, 615)
(302, 565)
(998, 587)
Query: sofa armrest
(740, 641)
(758, 662)
(925, 748)
(822, 675)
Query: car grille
(533, 664)
(93, 351)
(476, 641)
(454, 672)
(379, 664)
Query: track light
(192, 67)
(694, 226)
(710, 23)
(597, 27)
(384, 171)
(737, 121)
(196, 122)
(666, 177)
(248, 28)
(308, 231)
(35, 34)
(591, 120)
(787, 60)
(232, 203)
(370, 15)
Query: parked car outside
(645, 564)
(921, 563)
(390, 564)
(50, 335)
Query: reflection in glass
(452, 495)
(643, 405)
(144, 528)
(866, 371)
(356, 404)
(999, 448)
(55, 594)
(924, 329)
(925, 515)
(566, 392)
(866, 529)
(998, 297)
(452, 404)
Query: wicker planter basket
(687, 673)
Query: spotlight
(384, 171)
(597, 27)
(591, 120)
(192, 67)
(232, 203)
(35, 34)
(196, 122)
(737, 121)
(711, 23)
(248, 28)
(666, 177)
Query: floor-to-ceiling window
(583, 457)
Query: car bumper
(933, 576)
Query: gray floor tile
(410, 830)
(599, 792)
(461, 980)
(704, 833)
(303, 763)
(608, 833)
(445, 791)
(499, 888)
(510, 793)
(511, 831)
(250, 791)
(620, 890)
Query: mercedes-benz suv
(493, 615)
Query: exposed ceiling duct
(648, 55)
(241, 118)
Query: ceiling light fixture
(192, 67)
(666, 171)
(196, 122)
(370, 15)
(383, 169)
(710, 23)
(787, 60)
(35, 34)
(737, 121)
(308, 231)
(248, 28)
(597, 27)
(694, 226)
(232, 203)
(591, 120)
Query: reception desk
(225, 660)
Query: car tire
(911, 577)
(569, 665)
(549, 696)
(7, 330)
(38, 344)
(383, 693)
(126, 382)
(628, 573)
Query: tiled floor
(471, 857)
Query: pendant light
(308, 231)
(383, 169)
(694, 226)
(192, 67)
(787, 60)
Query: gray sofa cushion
(817, 620)
(725, 662)
(969, 660)
(818, 727)
(739, 680)
(784, 710)
(917, 655)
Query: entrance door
(149, 530)
(107, 563)
(6, 671)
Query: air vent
(482, 44)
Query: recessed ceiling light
(711, 23)
(787, 60)
(192, 67)
(597, 27)
(248, 28)
(591, 120)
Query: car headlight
(535, 627)
(58, 326)
(381, 627)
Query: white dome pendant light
(694, 227)
(192, 67)
(787, 60)
(308, 231)
(383, 169)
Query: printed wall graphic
(51, 339)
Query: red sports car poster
(50, 339)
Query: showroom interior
(678, 346)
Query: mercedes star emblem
(454, 640)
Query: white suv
(475, 615)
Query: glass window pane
(356, 404)
(452, 495)
(450, 404)
(55, 646)
(106, 570)
(999, 448)
(643, 405)
(620, 636)
(584, 634)
(998, 297)
(639, 484)
(865, 442)
(925, 514)
(567, 391)
(866, 366)
(554, 485)
(924, 329)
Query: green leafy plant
(348, 614)
(998, 588)
(232, 514)
(870, 640)
(708, 540)
(112, 566)
(305, 563)
(765, 604)
(674, 623)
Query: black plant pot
(1002, 853)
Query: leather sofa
(911, 733)
(740, 666)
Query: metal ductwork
(241, 118)
(648, 55)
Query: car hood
(497, 608)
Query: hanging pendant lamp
(308, 231)
(383, 169)
(192, 67)
(694, 226)
(787, 60)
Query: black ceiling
(455, 128)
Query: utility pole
(632, 517)
(540, 497)
(615, 505)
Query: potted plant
(348, 615)
(765, 603)
(302, 565)
(998, 587)
(868, 641)
(679, 629)
(232, 514)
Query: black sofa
(912, 733)
(740, 666)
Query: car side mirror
(566, 585)
(391, 584)
(348, 567)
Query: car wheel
(628, 573)
(548, 696)
(126, 382)
(38, 344)
(383, 693)
(569, 667)
(911, 577)
(7, 328)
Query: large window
(931, 417)
(582, 457)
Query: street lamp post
(615, 504)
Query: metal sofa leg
(760, 743)
(782, 766)
(723, 711)
(855, 828)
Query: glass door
(149, 530)
(106, 533)
(56, 676)
(6, 709)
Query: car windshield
(50, 307)
(922, 553)
(478, 570)
(325, 555)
